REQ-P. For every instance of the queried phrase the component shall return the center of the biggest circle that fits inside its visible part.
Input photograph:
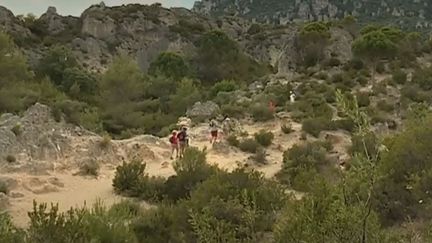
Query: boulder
(202, 111)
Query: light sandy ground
(68, 191)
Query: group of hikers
(179, 140)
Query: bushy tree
(313, 39)
(122, 88)
(170, 65)
(376, 44)
(13, 65)
(219, 57)
(404, 189)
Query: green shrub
(380, 68)
(97, 224)
(8, 232)
(301, 160)
(233, 140)
(406, 175)
(261, 113)
(17, 130)
(264, 138)
(90, 167)
(362, 80)
(224, 86)
(314, 126)
(11, 159)
(385, 106)
(356, 63)
(287, 128)
(128, 177)
(190, 170)
(260, 156)
(344, 124)
(249, 145)
(231, 110)
(105, 142)
(399, 77)
(4, 187)
(360, 143)
(363, 99)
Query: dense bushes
(249, 145)
(264, 138)
(403, 191)
(302, 163)
(261, 113)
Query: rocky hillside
(407, 13)
(142, 31)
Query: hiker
(174, 144)
(226, 126)
(213, 131)
(292, 97)
(182, 140)
(272, 106)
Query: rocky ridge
(143, 31)
(406, 13)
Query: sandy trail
(68, 191)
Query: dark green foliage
(170, 65)
(399, 77)
(423, 78)
(386, 106)
(224, 86)
(313, 38)
(233, 140)
(407, 174)
(261, 113)
(344, 124)
(314, 126)
(8, 232)
(128, 177)
(364, 144)
(264, 138)
(99, 224)
(302, 163)
(220, 58)
(249, 145)
(190, 170)
(287, 128)
(325, 216)
(4, 187)
(363, 99)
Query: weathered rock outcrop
(143, 32)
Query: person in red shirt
(272, 106)
(174, 144)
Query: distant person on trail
(272, 106)
(183, 141)
(226, 126)
(213, 131)
(174, 144)
(292, 97)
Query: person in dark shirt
(183, 141)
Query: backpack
(172, 139)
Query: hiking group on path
(180, 140)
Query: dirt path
(68, 191)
